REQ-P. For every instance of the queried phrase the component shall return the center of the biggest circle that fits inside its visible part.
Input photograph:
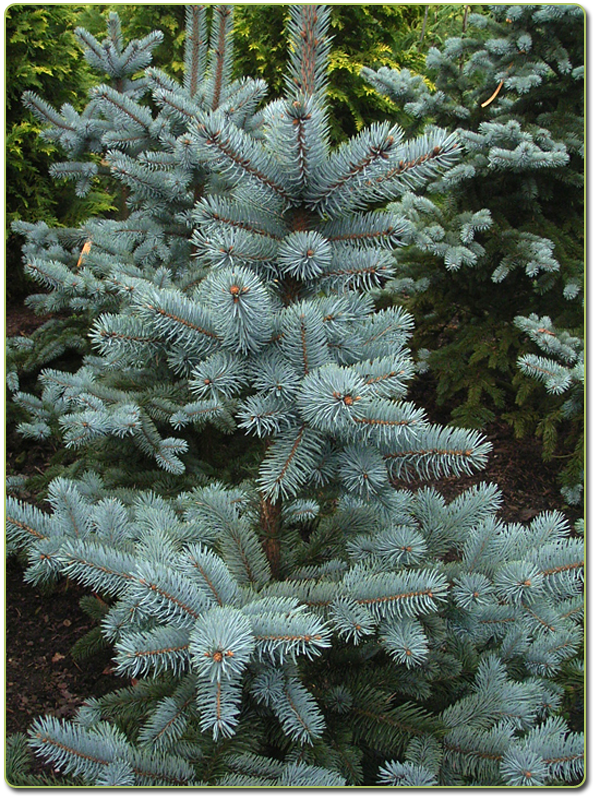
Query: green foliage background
(41, 55)
(364, 35)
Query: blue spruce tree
(501, 233)
(319, 623)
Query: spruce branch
(177, 318)
(196, 46)
(289, 462)
(238, 155)
(216, 211)
(168, 722)
(220, 54)
(25, 524)
(162, 649)
(309, 46)
(435, 451)
(129, 111)
(103, 569)
(59, 741)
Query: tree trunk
(270, 522)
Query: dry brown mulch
(41, 675)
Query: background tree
(43, 56)
(48, 250)
(505, 236)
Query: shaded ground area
(41, 675)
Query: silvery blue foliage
(282, 631)
(510, 212)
